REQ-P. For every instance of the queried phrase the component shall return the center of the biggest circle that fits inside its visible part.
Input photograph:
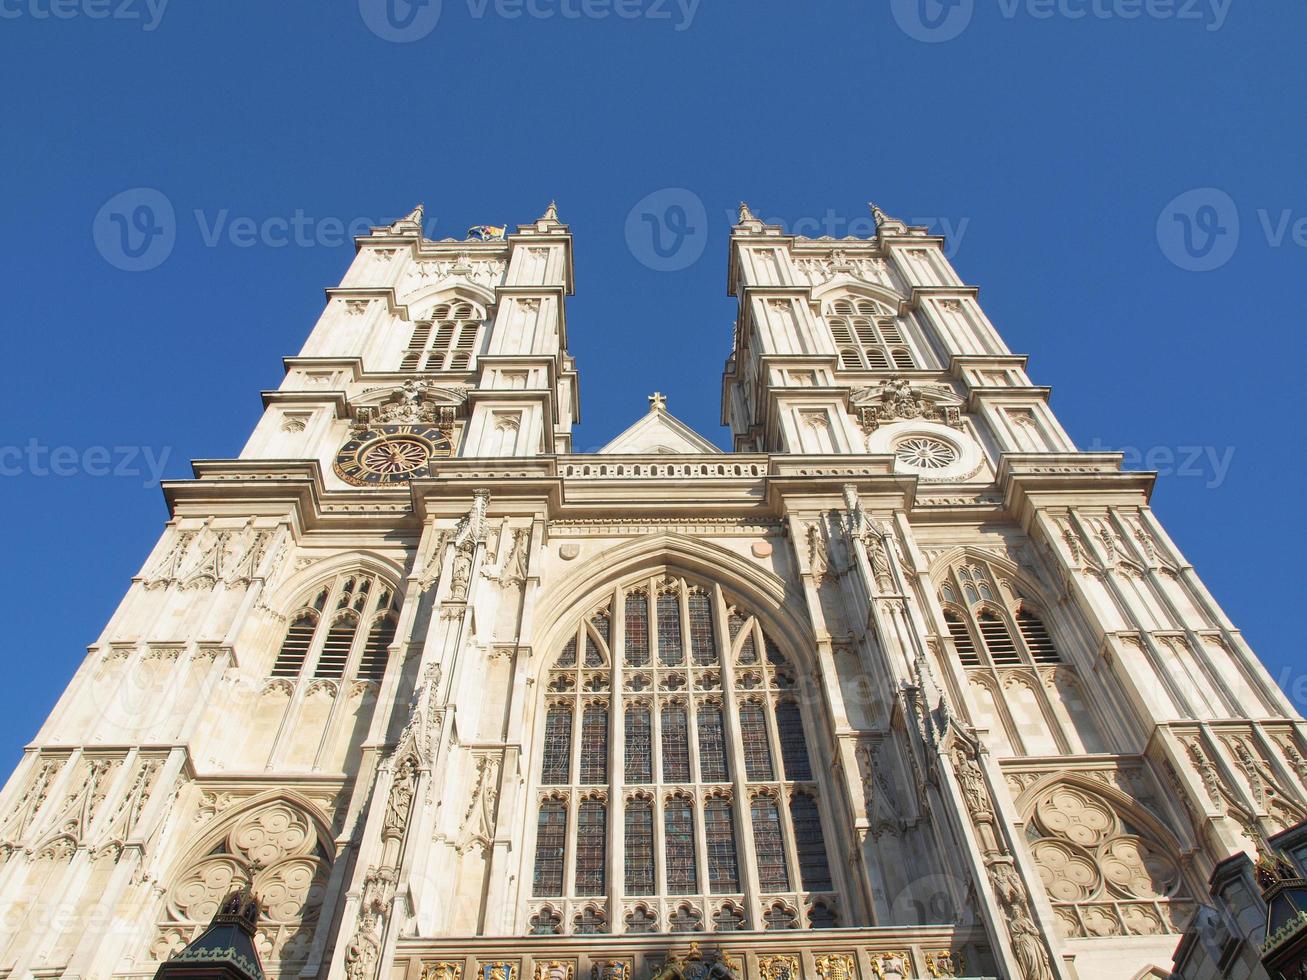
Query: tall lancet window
(1028, 694)
(446, 340)
(672, 737)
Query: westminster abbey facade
(902, 686)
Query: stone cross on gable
(658, 402)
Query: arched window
(813, 867)
(998, 640)
(1038, 642)
(997, 624)
(962, 641)
(591, 847)
(1024, 690)
(794, 749)
(639, 745)
(678, 825)
(768, 845)
(295, 647)
(594, 745)
(445, 342)
(558, 746)
(712, 747)
(1105, 872)
(277, 849)
(551, 842)
(719, 828)
(867, 335)
(753, 732)
(352, 639)
(639, 847)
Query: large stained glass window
(699, 789)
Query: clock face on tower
(385, 455)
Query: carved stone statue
(400, 801)
(817, 558)
(1027, 944)
(879, 558)
(973, 784)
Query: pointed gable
(659, 432)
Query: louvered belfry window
(1038, 642)
(445, 342)
(974, 606)
(344, 629)
(699, 780)
(867, 336)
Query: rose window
(925, 453)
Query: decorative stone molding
(896, 400)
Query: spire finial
(745, 213)
(551, 212)
(657, 402)
(414, 217)
(881, 217)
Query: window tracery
(278, 849)
(1104, 874)
(711, 747)
(1025, 690)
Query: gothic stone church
(904, 685)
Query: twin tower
(904, 685)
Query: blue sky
(1059, 140)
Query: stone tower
(902, 686)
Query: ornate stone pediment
(896, 400)
(415, 402)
